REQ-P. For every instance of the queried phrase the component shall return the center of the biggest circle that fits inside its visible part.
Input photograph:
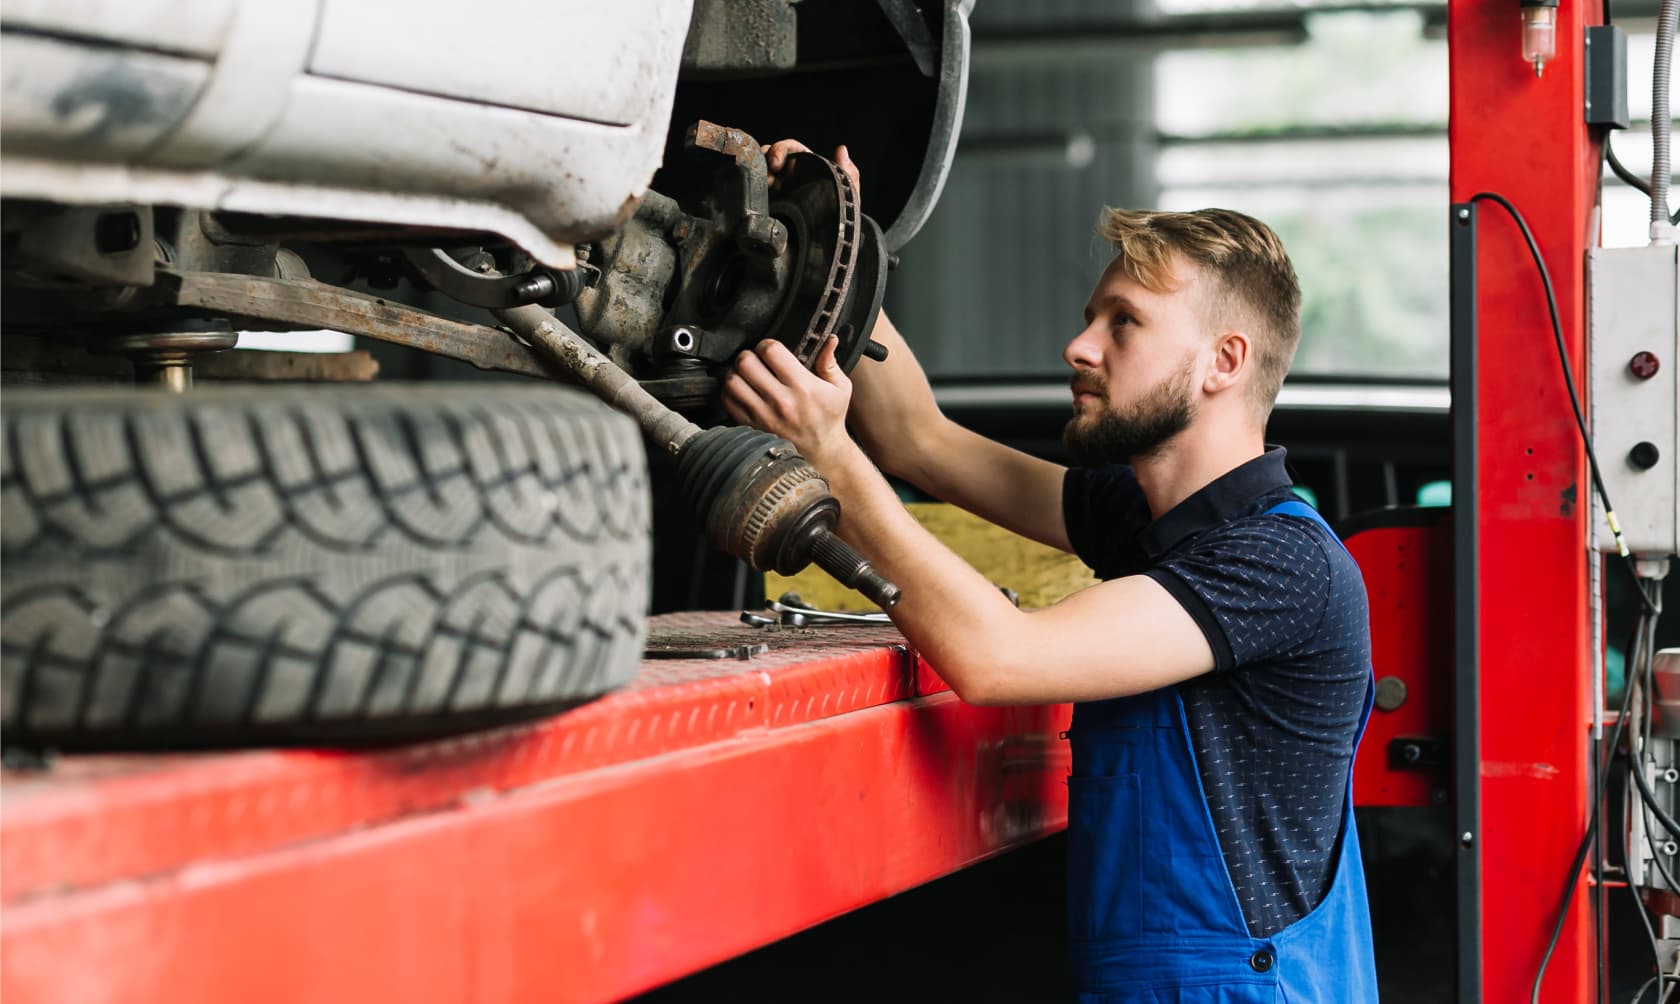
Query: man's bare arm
(894, 415)
(1111, 640)
(1115, 639)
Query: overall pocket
(1105, 858)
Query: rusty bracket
(311, 304)
(745, 190)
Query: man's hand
(771, 390)
(777, 153)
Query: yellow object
(1042, 575)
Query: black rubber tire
(255, 565)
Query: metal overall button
(1261, 961)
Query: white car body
(542, 121)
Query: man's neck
(1194, 459)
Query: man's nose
(1085, 351)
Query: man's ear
(1230, 360)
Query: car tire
(255, 565)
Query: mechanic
(1221, 670)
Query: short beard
(1119, 435)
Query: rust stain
(1511, 768)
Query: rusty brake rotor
(819, 206)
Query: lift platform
(715, 806)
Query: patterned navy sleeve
(1258, 587)
(1094, 501)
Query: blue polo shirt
(1283, 608)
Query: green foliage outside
(1374, 289)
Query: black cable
(1586, 843)
(1649, 797)
(1646, 796)
(1633, 180)
(1568, 379)
(1600, 793)
(1644, 915)
(1648, 676)
(1622, 172)
(1639, 669)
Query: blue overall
(1152, 914)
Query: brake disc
(837, 256)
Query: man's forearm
(949, 612)
(898, 422)
(1114, 639)
(893, 408)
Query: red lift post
(1525, 696)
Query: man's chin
(1081, 448)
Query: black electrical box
(1606, 66)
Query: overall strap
(1298, 507)
(1338, 931)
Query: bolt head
(1391, 693)
(1644, 365)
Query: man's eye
(1121, 320)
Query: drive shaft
(758, 499)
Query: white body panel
(540, 121)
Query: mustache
(1088, 383)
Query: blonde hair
(1248, 281)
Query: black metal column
(1466, 602)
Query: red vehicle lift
(1522, 667)
(714, 807)
(719, 805)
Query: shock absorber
(758, 499)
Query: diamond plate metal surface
(93, 819)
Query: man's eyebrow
(1110, 301)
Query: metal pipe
(1595, 635)
(1667, 16)
(611, 384)
(172, 373)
